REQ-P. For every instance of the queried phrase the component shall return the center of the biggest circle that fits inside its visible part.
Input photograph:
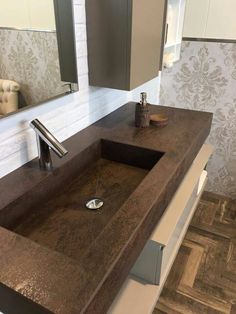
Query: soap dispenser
(142, 114)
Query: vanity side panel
(66, 40)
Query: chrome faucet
(45, 141)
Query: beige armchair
(8, 96)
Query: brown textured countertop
(65, 285)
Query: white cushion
(8, 96)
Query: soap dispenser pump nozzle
(143, 100)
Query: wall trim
(214, 40)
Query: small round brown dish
(159, 120)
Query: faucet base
(45, 160)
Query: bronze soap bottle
(142, 114)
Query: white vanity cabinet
(142, 289)
(174, 30)
(211, 19)
(195, 20)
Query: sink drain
(94, 203)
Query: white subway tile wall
(68, 115)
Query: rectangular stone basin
(111, 171)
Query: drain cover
(94, 203)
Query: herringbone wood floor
(203, 277)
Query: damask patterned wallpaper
(205, 79)
(31, 59)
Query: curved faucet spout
(45, 141)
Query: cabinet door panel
(108, 32)
(195, 21)
(147, 43)
(221, 19)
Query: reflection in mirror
(35, 64)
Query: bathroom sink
(70, 259)
(111, 172)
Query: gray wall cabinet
(125, 41)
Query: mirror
(37, 53)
